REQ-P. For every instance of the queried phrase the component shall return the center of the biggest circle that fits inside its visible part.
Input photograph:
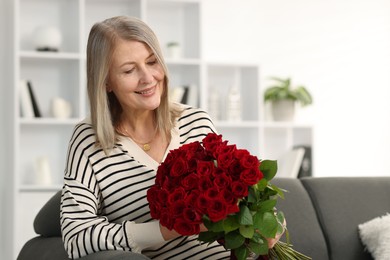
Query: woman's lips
(146, 92)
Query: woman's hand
(171, 234)
(273, 241)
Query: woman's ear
(108, 88)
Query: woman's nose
(146, 76)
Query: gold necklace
(146, 146)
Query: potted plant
(283, 98)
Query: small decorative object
(213, 102)
(47, 38)
(61, 108)
(174, 50)
(42, 171)
(229, 191)
(283, 98)
(234, 105)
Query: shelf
(237, 124)
(40, 188)
(50, 55)
(44, 121)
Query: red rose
(167, 219)
(177, 194)
(211, 142)
(239, 153)
(177, 208)
(162, 197)
(190, 182)
(205, 167)
(217, 209)
(228, 196)
(186, 229)
(205, 183)
(250, 161)
(225, 160)
(152, 194)
(251, 176)
(239, 189)
(222, 180)
(212, 193)
(192, 216)
(155, 210)
(235, 170)
(161, 174)
(202, 203)
(192, 198)
(179, 167)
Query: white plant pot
(283, 110)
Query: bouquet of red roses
(225, 188)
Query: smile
(146, 91)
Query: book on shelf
(28, 102)
(37, 111)
(185, 94)
(306, 168)
(26, 106)
(290, 163)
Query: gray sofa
(322, 216)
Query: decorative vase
(234, 104)
(283, 110)
(47, 38)
(174, 50)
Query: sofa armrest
(49, 248)
(47, 221)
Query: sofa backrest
(302, 223)
(342, 203)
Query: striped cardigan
(104, 205)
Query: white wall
(339, 49)
(5, 128)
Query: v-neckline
(142, 157)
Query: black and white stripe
(103, 194)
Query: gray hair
(105, 108)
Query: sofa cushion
(375, 235)
(342, 203)
(303, 226)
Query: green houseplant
(283, 97)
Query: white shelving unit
(62, 74)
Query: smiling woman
(113, 155)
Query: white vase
(283, 110)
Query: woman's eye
(129, 71)
(152, 62)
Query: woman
(113, 155)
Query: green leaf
(252, 196)
(247, 231)
(258, 248)
(230, 224)
(279, 191)
(209, 236)
(266, 224)
(267, 205)
(234, 240)
(241, 253)
(245, 216)
(269, 169)
(213, 226)
(262, 184)
(258, 238)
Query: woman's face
(135, 76)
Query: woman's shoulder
(190, 112)
(83, 133)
